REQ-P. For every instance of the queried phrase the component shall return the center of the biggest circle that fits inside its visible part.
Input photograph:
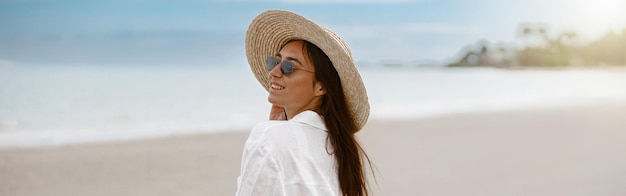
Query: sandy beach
(566, 151)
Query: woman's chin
(273, 100)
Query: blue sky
(211, 32)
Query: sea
(43, 106)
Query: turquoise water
(42, 106)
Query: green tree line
(542, 50)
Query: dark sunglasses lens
(287, 67)
(270, 63)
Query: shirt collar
(310, 118)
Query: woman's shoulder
(307, 125)
(272, 125)
(282, 133)
(273, 129)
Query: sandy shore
(575, 151)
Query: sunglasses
(285, 66)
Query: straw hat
(272, 29)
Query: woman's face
(298, 91)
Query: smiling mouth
(277, 87)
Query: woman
(318, 103)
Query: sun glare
(600, 16)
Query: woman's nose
(276, 72)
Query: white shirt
(289, 158)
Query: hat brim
(272, 29)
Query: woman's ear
(319, 89)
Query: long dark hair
(340, 124)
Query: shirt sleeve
(260, 172)
(275, 162)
